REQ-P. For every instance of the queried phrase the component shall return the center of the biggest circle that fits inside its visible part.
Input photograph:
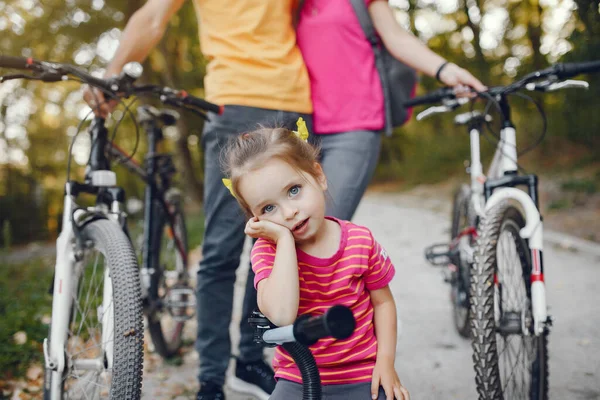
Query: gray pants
(349, 160)
(288, 390)
(223, 243)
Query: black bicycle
(167, 296)
(338, 322)
(95, 343)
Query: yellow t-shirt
(252, 53)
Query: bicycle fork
(68, 270)
(533, 231)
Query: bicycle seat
(164, 116)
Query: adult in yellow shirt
(256, 71)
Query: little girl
(306, 262)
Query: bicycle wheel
(104, 347)
(169, 286)
(463, 218)
(510, 361)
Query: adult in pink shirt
(346, 91)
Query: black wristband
(439, 71)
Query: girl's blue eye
(268, 209)
(294, 190)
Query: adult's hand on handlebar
(95, 98)
(455, 76)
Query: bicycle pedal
(449, 277)
(438, 254)
(181, 303)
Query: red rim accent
(537, 278)
(221, 110)
(29, 61)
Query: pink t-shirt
(359, 266)
(345, 87)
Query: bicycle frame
(152, 194)
(497, 186)
(68, 270)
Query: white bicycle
(95, 345)
(495, 253)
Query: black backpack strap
(362, 12)
(296, 13)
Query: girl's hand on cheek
(265, 229)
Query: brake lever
(551, 86)
(449, 105)
(431, 111)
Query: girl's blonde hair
(252, 150)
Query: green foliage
(580, 186)
(24, 302)
(6, 235)
(495, 40)
(23, 208)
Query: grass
(580, 186)
(24, 303)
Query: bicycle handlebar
(120, 86)
(556, 72)
(570, 70)
(16, 62)
(431, 97)
(338, 322)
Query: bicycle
(338, 322)
(167, 298)
(497, 248)
(95, 342)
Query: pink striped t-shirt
(359, 266)
(345, 87)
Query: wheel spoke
(84, 339)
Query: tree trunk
(191, 184)
(534, 33)
(479, 56)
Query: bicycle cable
(494, 136)
(79, 126)
(544, 122)
(137, 130)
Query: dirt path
(428, 346)
(431, 359)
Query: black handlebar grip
(338, 322)
(16, 62)
(569, 70)
(203, 104)
(433, 97)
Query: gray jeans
(288, 390)
(223, 243)
(349, 160)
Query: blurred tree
(496, 40)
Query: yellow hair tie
(302, 131)
(228, 185)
